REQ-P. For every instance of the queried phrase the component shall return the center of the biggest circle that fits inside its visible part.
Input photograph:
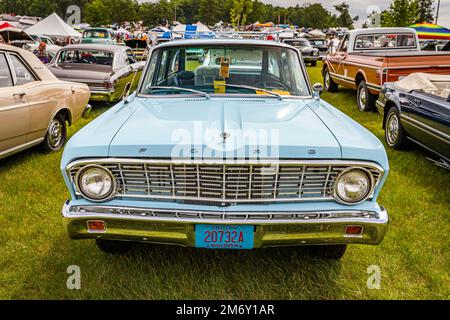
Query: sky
(359, 7)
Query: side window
(5, 74)
(130, 57)
(273, 65)
(162, 67)
(344, 44)
(23, 74)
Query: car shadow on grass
(170, 272)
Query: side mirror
(317, 89)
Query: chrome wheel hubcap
(392, 129)
(55, 133)
(362, 98)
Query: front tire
(394, 133)
(113, 246)
(328, 82)
(332, 252)
(56, 135)
(364, 99)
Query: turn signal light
(354, 230)
(96, 226)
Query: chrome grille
(212, 182)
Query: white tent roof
(54, 26)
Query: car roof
(381, 30)
(206, 42)
(94, 46)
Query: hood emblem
(224, 136)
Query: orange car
(367, 58)
(34, 105)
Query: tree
(425, 11)
(123, 10)
(97, 13)
(208, 11)
(240, 11)
(401, 13)
(345, 19)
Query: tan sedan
(34, 105)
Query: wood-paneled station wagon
(367, 58)
(34, 105)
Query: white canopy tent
(53, 26)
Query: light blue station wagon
(234, 150)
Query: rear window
(385, 41)
(105, 58)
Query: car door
(428, 118)
(14, 111)
(40, 99)
(337, 61)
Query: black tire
(394, 134)
(328, 82)
(313, 63)
(113, 246)
(333, 252)
(364, 99)
(56, 136)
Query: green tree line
(237, 12)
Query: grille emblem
(224, 136)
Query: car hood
(222, 128)
(80, 71)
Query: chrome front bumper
(271, 228)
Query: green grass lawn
(414, 257)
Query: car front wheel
(394, 133)
(365, 100)
(56, 134)
(333, 252)
(328, 82)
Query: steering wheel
(272, 84)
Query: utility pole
(437, 11)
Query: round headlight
(353, 186)
(96, 183)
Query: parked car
(98, 36)
(235, 158)
(417, 108)
(434, 45)
(320, 44)
(51, 47)
(309, 54)
(110, 71)
(34, 105)
(367, 58)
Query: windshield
(226, 70)
(105, 58)
(300, 43)
(317, 42)
(95, 34)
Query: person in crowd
(2, 41)
(42, 54)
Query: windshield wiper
(207, 96)
(243, 86)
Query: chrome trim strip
(234, 217)
(19, 148)
(421, 126)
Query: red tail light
(354, 230)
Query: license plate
(224, 236)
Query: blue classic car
(234, 151)
(417, 109)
